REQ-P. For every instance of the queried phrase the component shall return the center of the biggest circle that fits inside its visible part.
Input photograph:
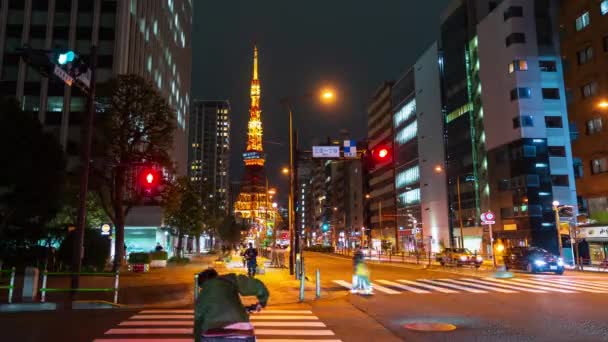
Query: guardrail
(45, 274)
(11, 285)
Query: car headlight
(463, 258)
(479, 258)
(540, 262)
(560, 262)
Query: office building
(209, 149)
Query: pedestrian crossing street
(176, 325)
(537, 284)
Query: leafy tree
(183, 210)
(230, 231)
(136, 127)
(32, 178)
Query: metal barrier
(45, 274)
(11, 285)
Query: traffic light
(65, 57)
(149, 180)
(382, 154)
(325, 227)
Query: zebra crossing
(537, 284)
(176, 325)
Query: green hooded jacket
(219, 305)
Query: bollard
(302, 280)
(30, 285)
(12, 286)
(116, 288)
(318, 283)
(297, 269)
(195, 288)
(43, 290)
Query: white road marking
(291, 340)
(143, 340)
(285, 312)
(181, 316)
(344, 283)
(283, 332)
(149, 331)
(403, 287)
(384, 289)
(573, 284)
(539, 287)
(565, 286)
(590, 283)
(186, 311)
(479, 281)
(426, 286)
(437, 282)
(491, 288)
(283, 317)
(188, 323)
(290, 324)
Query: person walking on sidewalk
(358, 258)
(251, 254)
(219, 314)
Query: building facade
(584, 45)
(420, 182)
(381, 201)
(148, 38)
(209, 149)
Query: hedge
(179, 260)
(139, 258)
(160, 255)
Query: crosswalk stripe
(574, 285)
(290, 324)
(491, 288)
(143, 340)
(285, 312)
(403, 287)
(384, 289)
(567, 287)
(344, 283)
(283, 317)
(427, 286)
(539, 287)
(603, 286)
(283, 332)
(180, 316)
(436, 282)
(292, 340)
(187, 323)
(503, 285)
(156, 311)
(149, 331)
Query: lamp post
(559, 236)
(326, 96)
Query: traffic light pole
(86, 140)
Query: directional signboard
(326, 151)
(64, 76)
(350, 149)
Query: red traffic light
(149, 178)
(382, 154)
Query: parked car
(459, 257)
(533, 260)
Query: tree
(32, 178)
(136, 127)
(230, 231)
(183, 210)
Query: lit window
(583, 21)
(589, 89)
(405, 112)
(599, 166)
(518, 65)
(407, 133)
(594, 126)
(407, 177)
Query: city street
(481, 307)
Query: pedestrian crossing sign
(350, 149)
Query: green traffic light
(66, 57)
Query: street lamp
(285, 170)
(603, 104)
(559, 236)
(327, 96)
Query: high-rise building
(420, 182)
(507, 133)
(584, 46)
(252, 204)
(149, 38)
(209, 149)
(381, 202)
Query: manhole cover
(430, 326)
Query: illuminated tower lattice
(251, 204)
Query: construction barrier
(45, 274)
(11, 285)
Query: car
(459, 257)
(533, 260)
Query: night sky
(351, 45)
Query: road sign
(350, 149)
(105, 229)
(488, 218)
(326, 151)
(67, 79)
(85, 78)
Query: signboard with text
(326, 151)
(488, 218)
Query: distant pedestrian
(158, 247)
(251, 255)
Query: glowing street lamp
(327, 95)
(285, 170)
(603, 104)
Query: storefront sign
(593, 232)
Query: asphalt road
(525, 308)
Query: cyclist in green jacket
(219, 312)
